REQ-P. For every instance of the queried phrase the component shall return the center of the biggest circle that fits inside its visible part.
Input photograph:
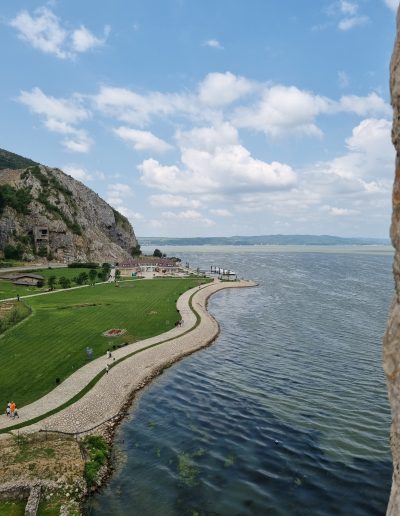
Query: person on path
(12, 408)
(107, 369)
(8, 409)
(109, 355)
(16, 412)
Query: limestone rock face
(81, 226)
(391, 343)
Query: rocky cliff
(46, 213)
(391, 351)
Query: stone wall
(391, 344)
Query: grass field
(51, 343)
(7, 289)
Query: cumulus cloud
(221, 212)
(77, 172)
(338, 212)
(225, 169)
(282, 109)
(173, 201)
(208, 138)
(392, 4)
(142, 140)
(188, 215)
(60, 116)
(287, 109)
(352, 21)
(213, 43)
(83, 40)
(44, 31)
(221, 89)
(343, 79)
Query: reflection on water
(285, 414)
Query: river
(286, 413)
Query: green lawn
(7, 289)
(51, 343)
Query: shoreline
(134, 369)
(109, 428)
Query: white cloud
(213, 43)
(208, 138)
(83, 40)
(353, 21)
(282, 109)
(188, 215)
(349, 8)
(61, 110)
(221, 89)
(225, 170)
(44, 31)
(77, 172)
(59, 116)
(142, 140)
(120, 189)
(372, 137)
(221, 212)
(339, 212)
(392, 4)
(173, 201)
(287, 109)
(343, 79)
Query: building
(149, 264)
(25, 279)
(41, 237)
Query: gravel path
(115, 388)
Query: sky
(212, 117)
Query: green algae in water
(188, 472)
(229, 460)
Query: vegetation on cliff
(14, 161)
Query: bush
(82, 278)
(157, 253)
(42, 251)
(13, 252)
(83, 265)
(64, 282)
(98, 451)
(16, 199)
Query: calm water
(286, 413)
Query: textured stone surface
(104, 237)
(391, 352)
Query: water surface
(286, 413)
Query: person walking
(12, 408)
(107, 369)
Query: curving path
(114, 389)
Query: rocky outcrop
(391, 351)
(80, 225)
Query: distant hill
(265, 240)
(14, 161)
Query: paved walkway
(112, 391)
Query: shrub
(83, 265)
(13, 252)
(64, 282)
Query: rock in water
(45, 212)
(391, 341)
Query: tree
(13, 253)
(41, 283)
(117, 275)
(92, 276)
(64, 282)
(82, 278)
(157, 253)
(135, 251)
(52, 281)
(42, 251)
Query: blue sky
(217, 117)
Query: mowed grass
(51, 343)
(8, 290)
